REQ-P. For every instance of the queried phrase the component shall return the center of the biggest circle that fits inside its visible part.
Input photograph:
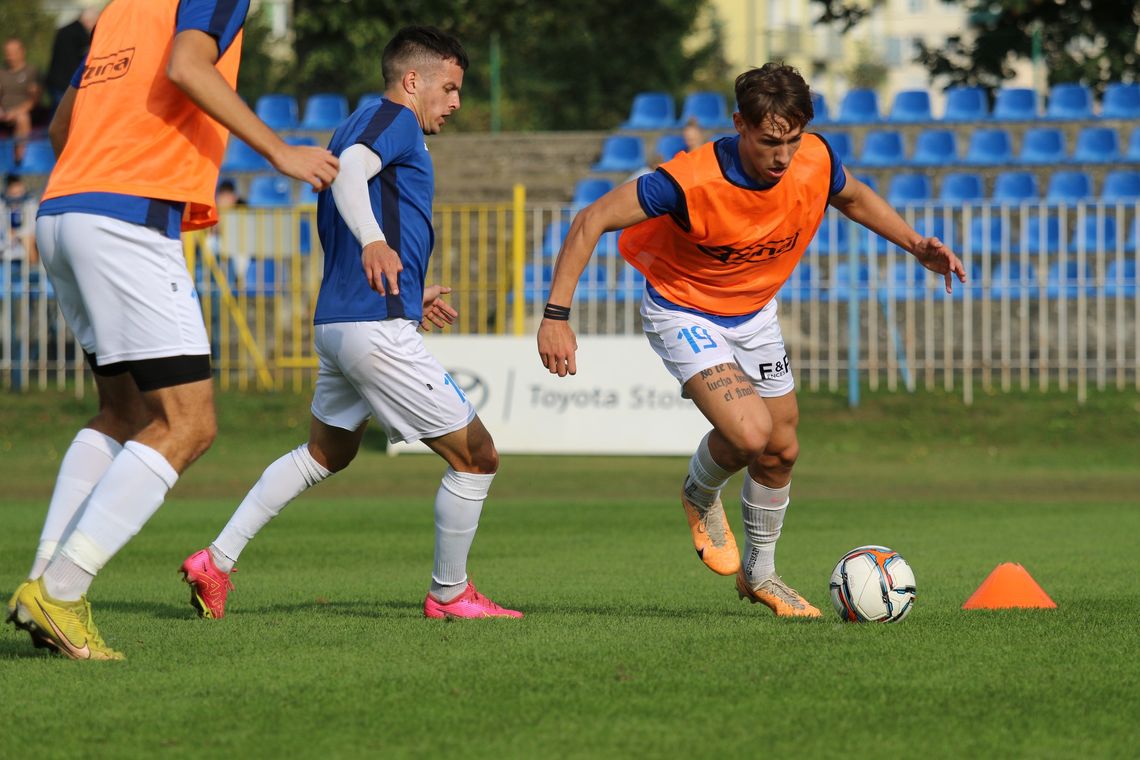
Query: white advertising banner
(622, 401)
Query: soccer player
(716, 232)
(140, 135)
(375, 226)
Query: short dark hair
(774, 89)
(419, 42)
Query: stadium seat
(590, 189)
(840, 143)
(1010, 279)
(553, 236)
(536, 281)
(906, 281)
(1069, 187)
(911, 106)
(278, 111)
(1121, 186)
(936, 226)
(607, 244)
(7, 157)
(39, 158)
(1097, 145)
(260, 276)
(1015, 187)
(300, 140)
(629, 284)
(367, 99)
(708, 108)
(907, 188)
(1069, 101)
(239, 157)
(859, 106)
(651, 110)
(989, 146)
(882, 148)
(961, 186)
(988, 235)
(800, 285)
(1015, 104)
(1133, 153)
(1121, 101)
(668, 146)
(1120, 278)
(621, 153)
(1039, 238)
(935, 147)
(869, 181)
(832, 235)
(840, 288)
(819, 106)
(1042, 145)
(1095, 234)
(966, 104)
(270, 191)
(306, 195)
(1066, 279)
(324, 111)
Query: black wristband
(560, 313)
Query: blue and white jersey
(401, 198)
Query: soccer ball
(872, 584)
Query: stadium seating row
(656, 110)
(323, 111)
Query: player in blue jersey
(376, 231)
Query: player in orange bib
(716, 232)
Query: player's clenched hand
(556, 347)
(308, 163)
(382, 265)
(437, 311)
(933, 254)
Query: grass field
(630, 647)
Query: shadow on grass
(20, 647)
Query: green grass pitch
(630, 646)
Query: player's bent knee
(783, 458)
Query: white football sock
(763, 510)
(86, 459)
(281, 482)
(130, 492)
(458, 504)
(705, 478)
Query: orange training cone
(1009, 585)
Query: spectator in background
(68, 51)
(693, 135)
(19, 93)
(16, 241)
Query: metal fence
(1051, 302)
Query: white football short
(123, 288)
(688, 343)
(383, 369)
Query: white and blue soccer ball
(872, 584)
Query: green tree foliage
(29, 23)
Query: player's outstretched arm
(615, 210)
(191, 68)
(863, 205)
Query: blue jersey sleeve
(658, 195)
(838, 175)
(392, 134)
(77, 77)
(221, 19)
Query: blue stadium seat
(990, 235)
(1010, 279)
(840, 143)
(989, 146)
(306, 195)
(608, 244)
(961, 186)
(800, 285)
(239, 157)
(621, 153)
(536, 282)
(840, 288)
(1121, 186)
(39, 158)
(708, 108)
(1133, 153)
(7, 157)
(937, 227)
(1066, 279)
(935, 147)
(590, 189)
(908, 188)
(1015, 187)
(629, 284)
(1042, 145)
(367, 99)
(307, 140)
(1015, 104)
(553, 236)
(324, 111)
(1039, 238)
(1121, 101)
(907, 281)
(1120, 278)
(966, 104)
(650, 110)
(1069, 187)
(819, 105)
(278, 111)
(859, 106)
(261, 276)
(882, 148)
(868, 180)
(1069, 101)
(911, 106)
(668, 146)
(832, 235)
(1097, 145)
(1096, 233)
(270, 191)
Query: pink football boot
(469, 604)
(208, 585)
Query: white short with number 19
(689, 343)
